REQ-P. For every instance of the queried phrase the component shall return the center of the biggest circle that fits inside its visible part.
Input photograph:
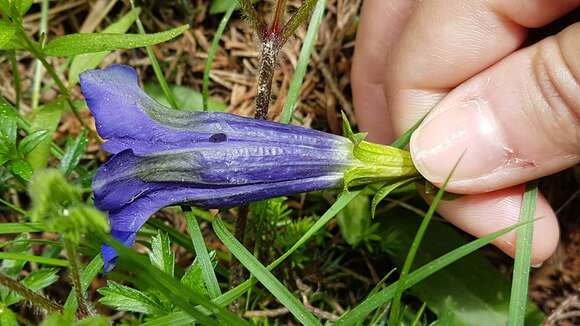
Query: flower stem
(29, 295)
(270, 49)
(71, 253)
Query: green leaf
(31, 141)
(13, 268)
(74, 150)
(384, 191)
(161, 254)
(8, 127)
(354, 220)
(269, 281)
(472, 285)
(36, 259)
(181, 318)
(36, 280)
(74, 44)
(7, 31)
(93, 321)
(8, 228)
(207, 268)
(46, 118)
(221, 6)
(187, 99)
(359, 313)
(193, 278)
(23, 6)
(91, 60)
(8, 318)
(87, 275)
(21, 169)
(124, 298)
(521, 274)
(172, 289)
(59, 320)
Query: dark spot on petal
(218, 138)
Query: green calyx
(377, 163)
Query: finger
(380, 24)
(446, 42)
(517, 121)
(483, 214)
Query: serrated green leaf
(193, 278)
(124, 298)
(74, 44)
(161, 254)
(30, 142)
(187, 99)
(74, 150)
(7, 31)
(21, 169)
(91, 60)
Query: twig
(266, 313)
(560, 312)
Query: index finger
(446, 42)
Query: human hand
(514, 111)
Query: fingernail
(451, 130)
(538, 265)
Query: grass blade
(208, 272)
(376, 300)
(212, 51)
(155, 64)
(173, 289)
(181, 318)
(263, 275)
(303, 60)
(34, 259)
(523, 259)
(8, 228)
(396, 303)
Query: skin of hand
(513, 111)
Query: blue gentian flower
(163, 157)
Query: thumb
(516, 121)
